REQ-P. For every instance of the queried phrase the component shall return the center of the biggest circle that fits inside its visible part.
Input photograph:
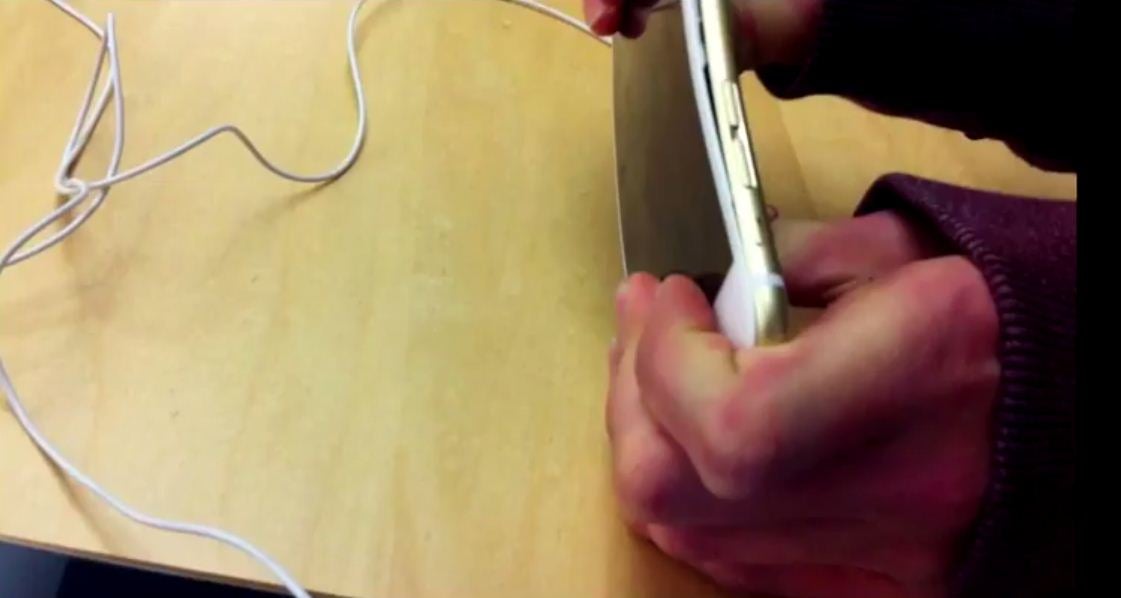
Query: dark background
(29, 573)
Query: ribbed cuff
(1022, 544)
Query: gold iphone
(690, 198)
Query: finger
(635, 17)
(614, 354)
(633, 23)
(649, 469)
(694, 361)
(654, 478)
(603, 16)
(687, 370)
(821, 261)
(633, 301)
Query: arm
(1001, 69)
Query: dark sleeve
(1022, 545)
(1000, 69)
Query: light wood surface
(394, 383)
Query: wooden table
(394, 384)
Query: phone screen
(670, 218)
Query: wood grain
(392, 383)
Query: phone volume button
(735, 106)
(738, 132)
(751, 181)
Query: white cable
(77, 16)
(79, 138)
(343, 166)
(79, 191)
(565, 18)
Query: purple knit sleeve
(1000, 69)
(1022, 543)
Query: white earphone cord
(78, 191)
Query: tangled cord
(93, 193)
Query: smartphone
(690, 197)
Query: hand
(780, 31)
(846, 463)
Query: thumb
(822, 261)
(686, 371)
(608, 17)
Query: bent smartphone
(690, 198)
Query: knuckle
(738, 447)
(959, 326)
(955, 288)
(967, 289)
